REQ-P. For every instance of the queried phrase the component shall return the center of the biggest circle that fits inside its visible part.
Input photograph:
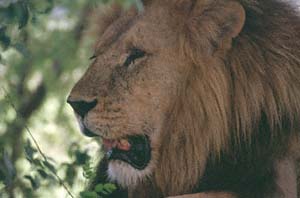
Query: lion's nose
(82, 107)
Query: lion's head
(167, 85)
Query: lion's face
(128, 91)
(156, 86)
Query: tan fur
(214, 70)
(287, 178)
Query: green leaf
(88, 170)
(88, 194)
(105, 189)
(42, 173)
(49, 166)
(36, 162)
(81, 157)
(99, 188)
(34, 181)
(110, 187)
(29, 151)
(71, 173)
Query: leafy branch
(30, 151)
(100, 190)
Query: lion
(195, 98)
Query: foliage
(100, 190)
(42, 50)
(42, 168)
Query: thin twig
(61, 182)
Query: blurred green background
(44, 50)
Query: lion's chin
(125, 175)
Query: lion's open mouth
(134, 150)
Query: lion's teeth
(123, 144)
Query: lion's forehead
(153, 26)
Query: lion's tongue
(121, 144)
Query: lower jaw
(138, 156)
(125, 175)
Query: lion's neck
(147, 189)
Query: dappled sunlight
(43, 53)
(59, 20)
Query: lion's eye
(134, 55)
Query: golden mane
(223, 104)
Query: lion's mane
(249, 101)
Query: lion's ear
(231, 20)
(214, 25)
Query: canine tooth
(123, 140)
(123, 144)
